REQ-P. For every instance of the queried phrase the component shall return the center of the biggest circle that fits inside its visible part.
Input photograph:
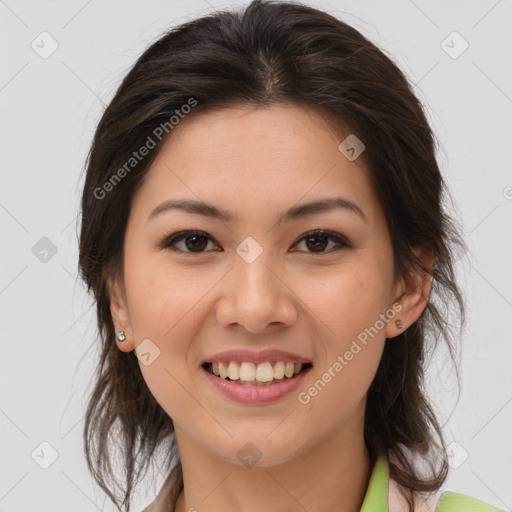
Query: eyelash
(168, 241)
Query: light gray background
(49, 110)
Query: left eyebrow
(320, 206)
(294, 213)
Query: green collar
(377, 493)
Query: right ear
(120, 313)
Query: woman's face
(255, 283)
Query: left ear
(414, 292)
(119, 311)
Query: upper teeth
(262, 372)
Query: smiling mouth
(262, 374)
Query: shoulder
(453, 501)
(440, 501)
(398, 503)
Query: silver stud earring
(399, 323)
(120, 336)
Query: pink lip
(255, 394)
(262, 356)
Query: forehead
(257, 159)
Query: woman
(264, 233)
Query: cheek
(162, 299)
(164, 306)
(347, 310)
(162, 303)
(346, 300)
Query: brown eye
(194, 241)
(317, 241)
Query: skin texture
(257, 163)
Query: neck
(330, 476)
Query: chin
(259, 449)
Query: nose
(256, 297)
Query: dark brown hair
(270, 53)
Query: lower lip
(248, 394)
